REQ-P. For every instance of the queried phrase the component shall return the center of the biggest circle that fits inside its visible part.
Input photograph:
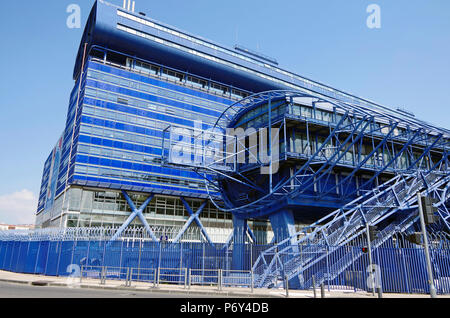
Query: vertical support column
(371, 266)
(239, 233)
(426, 247)
(270, 145)
(283, 225)
(285, 139)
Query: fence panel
(41, 258)
(32, 256)
(21, 261)
(441, 268)
(14, 256)
(113, 253)
(65, 258)
(51, 268)
(80, 253)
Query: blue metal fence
(53, 257)
(399, 264)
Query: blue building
(134, 77)
(122, 101)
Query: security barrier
(398, 264)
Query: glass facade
(123, 109)
(122, 121)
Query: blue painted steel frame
(360, 117)
(240, 228)
(195, 217)
(135, 213)
(344, 226)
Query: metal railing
(185, 277)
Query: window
(90, 92)
(306, 111)
(146, 68)
(102, 95)
(172, 75)
(238, 94)
(194, 81)
(326, 116)
(219, 88)
(122, 101)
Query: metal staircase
(330, 238)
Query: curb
(171, 291)
(14, 281)
(44, 283)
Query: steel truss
(356, 124)
(135, 212)
(416, 157)
(329, 235)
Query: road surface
(10, 290)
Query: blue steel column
(283, 226)
(239, 233)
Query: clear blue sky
(405, 63)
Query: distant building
(5, 227)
